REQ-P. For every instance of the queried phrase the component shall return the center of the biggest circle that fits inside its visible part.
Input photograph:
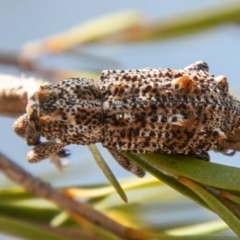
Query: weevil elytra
(186, 111)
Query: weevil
(187, 111)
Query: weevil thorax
(69, 111)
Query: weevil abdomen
(185, 111)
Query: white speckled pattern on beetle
(186, 111)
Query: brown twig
(27, 64)
(44, 190)
(9, 58)
(14, 93)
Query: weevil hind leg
(45, 150)
(202, 156)
(197, 66)
(127, 164)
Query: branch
(14, 94)
(44, 190)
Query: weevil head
(42, 111)
(26, 126)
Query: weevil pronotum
(186, 111)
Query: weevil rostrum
(186, 111)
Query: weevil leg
(56, 159)
(45, 150)
(202, 156)
(197, 66)
(230, 154)
(63, 153)
(127, 164)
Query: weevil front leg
(198, 66)
(202, 155)
(127, 164)
(45, 150)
